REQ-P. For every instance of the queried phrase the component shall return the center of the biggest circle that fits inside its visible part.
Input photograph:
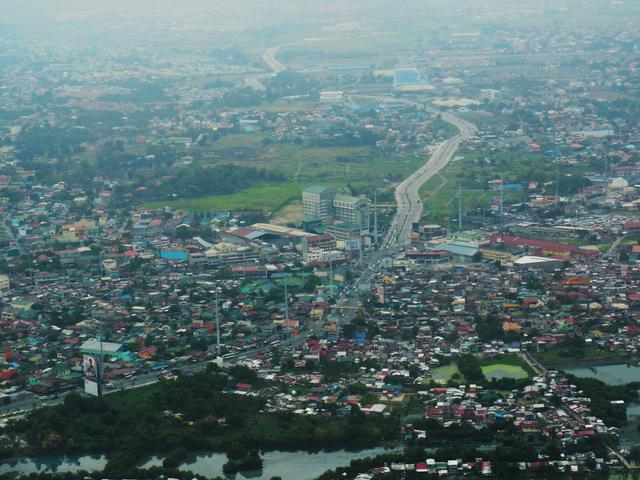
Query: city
(303, 241)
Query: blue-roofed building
(408, 79)
(174, 255)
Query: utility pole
(375, 219)
(557, 184)
(606, 179)
(99, 368)
(460, 208)
(557, 170)
(331, 276)
(286, 299)
(501, 210)
(217, 311)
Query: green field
(560, 357)
(472, 170)
(363, 168)
(266, 198)
(503, 370)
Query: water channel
(617, 375)
(298, 465)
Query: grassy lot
(316, 164)
(576, 357)
(364, 168)
(266, 198)
(508, 362)
(472, 170)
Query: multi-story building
(4, 285)
(345, 231)
(317, 203)
(319, 255)
(323, 242)
(352, 210)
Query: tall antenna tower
(217, 326)
(460, 208)
(375, 218)
(606, 178)
(557, 199)
(331, 277)
(286, 299)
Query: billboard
(91, 388)
(90, 367)
(91, 372)
(378, 293)
(352, 245)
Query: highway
(268, 57)
(409, 210)
(407, 194)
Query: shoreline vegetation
(192, 413)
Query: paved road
(268, 57)
(409, 210)
(614, 245)
(407, 195)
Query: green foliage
(602, 395)
(196, 181)
(470, 367)
(190, 413)
(249, 461)
(175, 457)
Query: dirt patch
(289, 214)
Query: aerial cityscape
(319, 240)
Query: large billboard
(378, 293)
(90, 367)
(91, 388)
(91, 372)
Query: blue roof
(459, 249)
(179, 255)
(406, 77)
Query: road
(407, 194)
(614, 245)
(409, 210)
(268, 57)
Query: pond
(500, 370)
(298, 465)
(618, 374)
(59, 464)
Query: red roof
(513, 241)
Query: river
(298, 465)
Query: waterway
(617, 375)
(298, 465)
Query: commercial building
(323, 242)
(345, 231)
(352, 210)
(317, 202)
(4, 285)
